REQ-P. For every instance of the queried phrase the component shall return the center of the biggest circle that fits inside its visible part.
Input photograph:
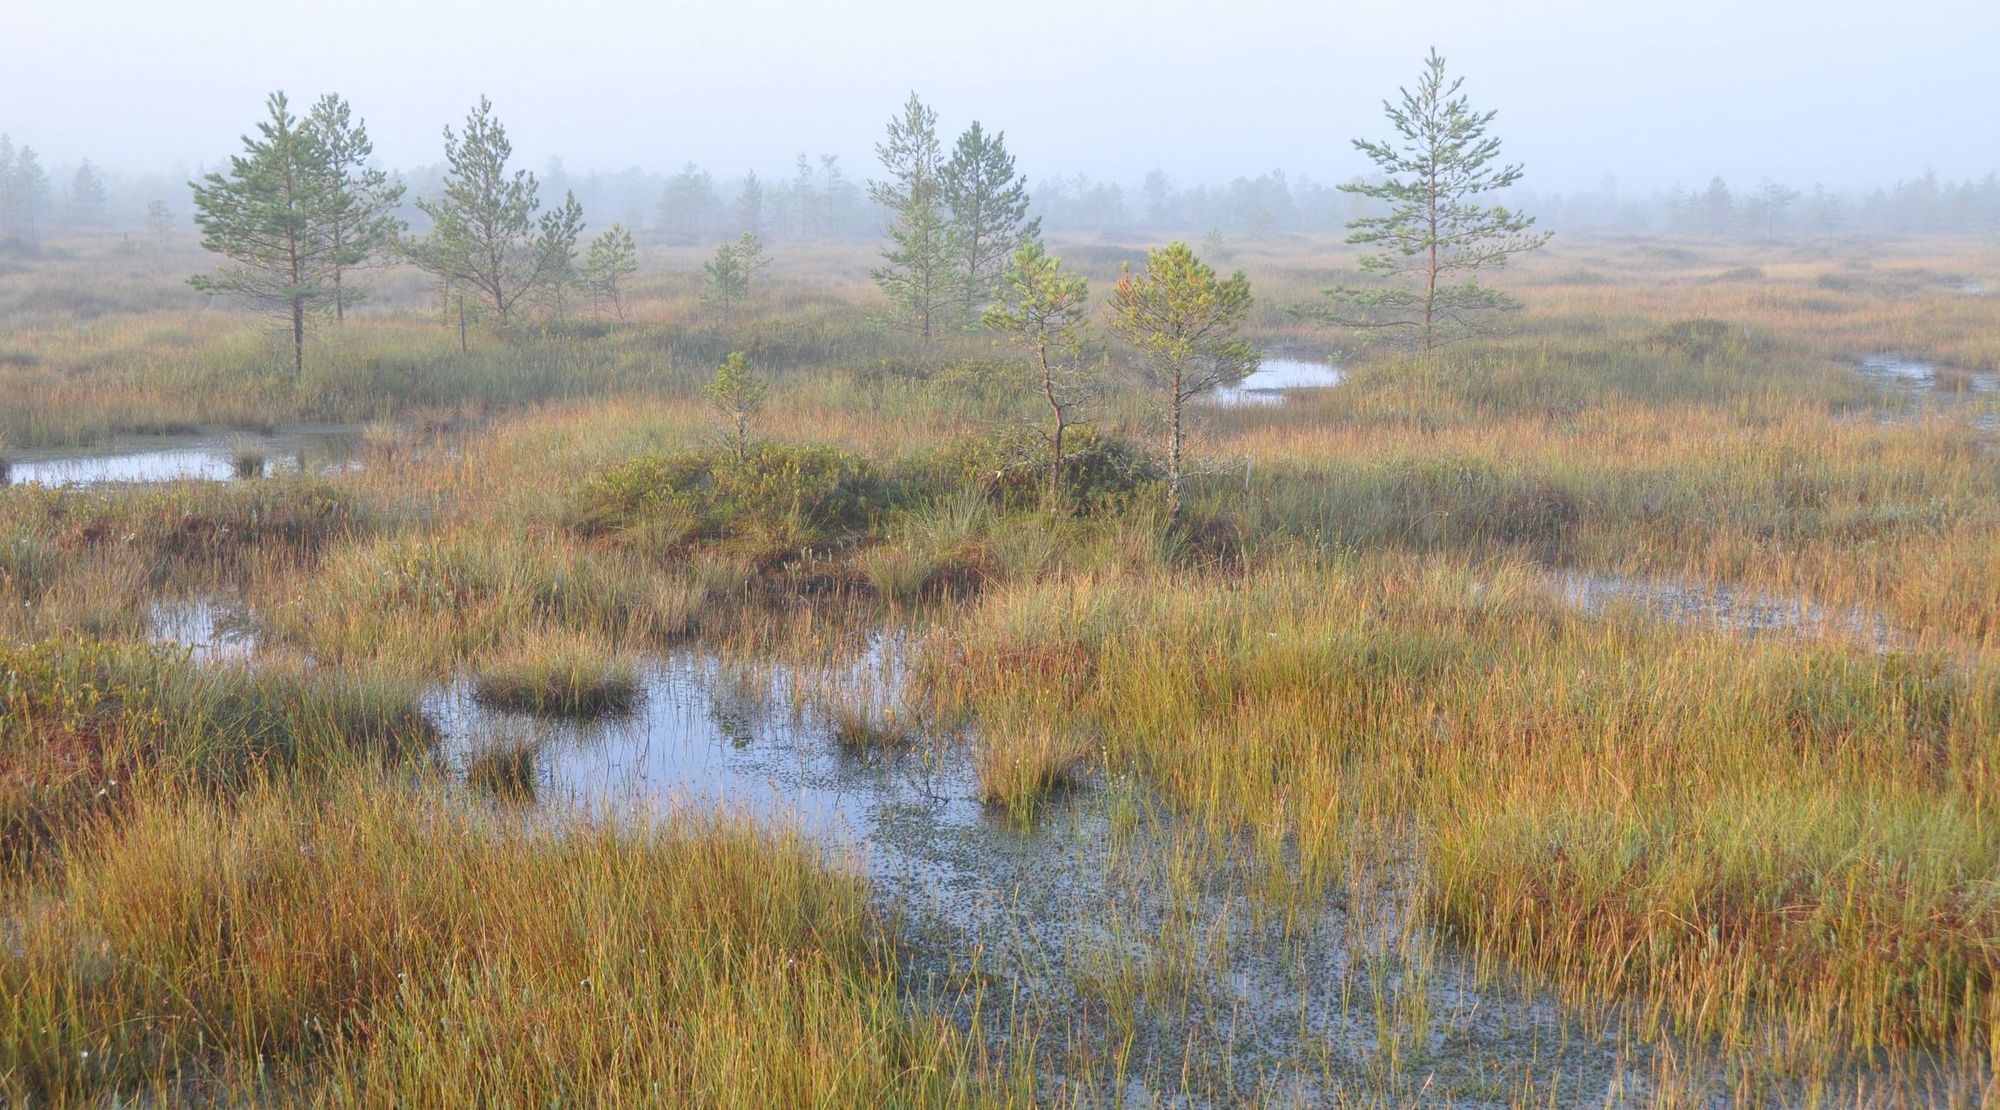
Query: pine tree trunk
(1174, 454)
(339, 295)
(1056, 463)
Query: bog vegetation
(1622, 644)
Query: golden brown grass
(1759, 835)
(370, 941)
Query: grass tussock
(1021, 767)
(861, 726)
(561, 677)
(505, 768)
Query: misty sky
(1834, 91)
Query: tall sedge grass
(82, 725)
(1748, 831)
(366, 940)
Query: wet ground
(1727, 608)
(1105, 928)
(212, 456)
(1147, 959)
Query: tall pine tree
(921, 273)
(1437, 235)
(363, 212)
(268, 216)
(485, 238)
(989, 212)
(86, 196)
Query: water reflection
(1276, 377)
(309, 449)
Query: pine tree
(805, 195)
(921, 275)
(24, 192)
(614, 258)
(485, 238)
(268, 216)
(86, 196)
(160, 223)
(750, 205)
(1044, 311)
(838, 201)
(737, 396)
(558, 276)
(6, 184)
(725, 280)
(989, 212)
(1183, 322)
(1433, 176)
(750, 251)
(1718, 207)
(689, 207)
(1159, 189)
(363, 214)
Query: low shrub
(778, 502)
(1100, 473)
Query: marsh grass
(85, 722)
(1717, 816)
(862, 727)
(366, 940)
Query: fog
(1842, 92)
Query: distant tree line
(820, 201)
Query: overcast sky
(1652, 92)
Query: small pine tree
(736, 395)
(750, 253)
(485, 238)
(1045, 311)
(724, 281)
(557, 274)
(613, 259)
(1183, 322)
(160, 224)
